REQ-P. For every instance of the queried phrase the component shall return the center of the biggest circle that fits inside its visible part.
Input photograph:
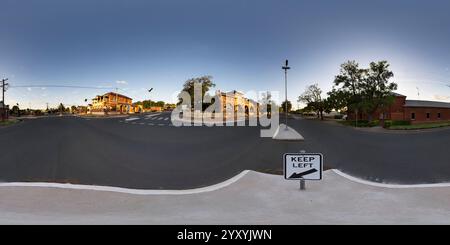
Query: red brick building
(4, 109)
(415, 111)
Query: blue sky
(137, 44)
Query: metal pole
(285, 68)
(302, 181)
(285, 96)
(302, 185)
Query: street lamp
(149, 91)
(285, 68)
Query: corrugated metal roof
(423, 103)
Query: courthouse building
(237, 103)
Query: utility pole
(285, 68)
(3, 98)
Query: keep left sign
(307, 166)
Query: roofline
(113, 94)
(444, 105)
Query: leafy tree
(377, 91)
(283, 106)
(147, 104)
(313, 99)
(337, 100)
(205, 82)
(15, 110)
(160, 103)
(365, 90)
(61, 108)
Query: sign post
(303, 166)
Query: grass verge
(8, 122)
(420, 126)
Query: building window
(439, 115)
(413, 116)
(428, 115)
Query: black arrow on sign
(300, 175)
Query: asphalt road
(147, 152)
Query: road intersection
(148, 152)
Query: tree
(377, 91)
(205, 82)
(15, 110)
(283, 106)
(61, 108)
(312, 97)
(160, 103)
(365, 90)
(337, 100)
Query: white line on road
(131, 119)
(153, 115)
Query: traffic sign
(303, 166)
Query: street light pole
(149, 91)
(285, 68)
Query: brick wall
(421, 114)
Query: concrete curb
(127, 190)
(390, 186)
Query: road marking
(132, 119)
(161, 124)
(165, 119)
(141, 123)
(126, 190)
(153, 115)
(151, 124)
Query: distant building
(4, 111)
(237, 102)
(111, 103)
(415, 111)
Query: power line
(60, 86)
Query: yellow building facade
(111, 102)
(235, 102)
